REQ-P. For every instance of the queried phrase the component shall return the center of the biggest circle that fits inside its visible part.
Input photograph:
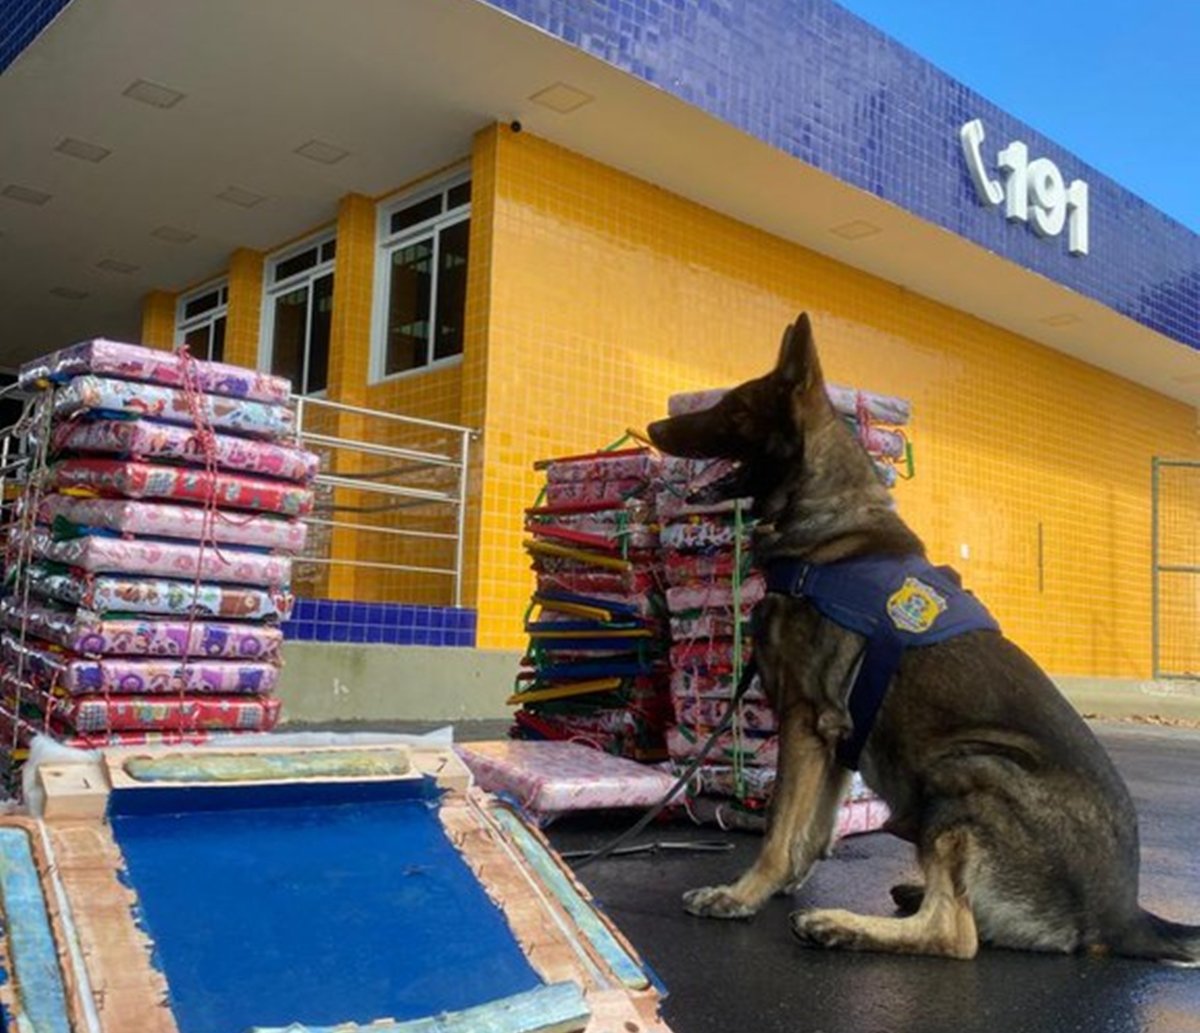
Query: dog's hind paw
(716, 902)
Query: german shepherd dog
(1025, 833)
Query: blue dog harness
(895, 603)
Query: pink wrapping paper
(135, 362)
(684, 744)
(709, 624)
(639, 465)
(80, 676)
(703, 535)
(617, 527)
(145, 439)
(82, 631)
(163, 559)
(593, 491)
(550, 778)
(708, 712)
(124, 594)
(171, 520)
(592, 582)
(700, 682)
(712, 655)
(715, 595)
(90, 714)
(234, 415)
(178, 483)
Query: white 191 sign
(1032, 191)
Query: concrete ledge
(334, 681)
(325, 682)
(1173, 699)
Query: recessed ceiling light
(242, 198)
(1061, 319)
(114, 266)
(151, 93)
(25, 194)
(173, 235)
(325, 153)
(856, 229)
(70, 293)
(562, 98)
(82, 149)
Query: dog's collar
(895, 603)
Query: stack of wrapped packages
(595, 671)
(150, 568)
(708, 560)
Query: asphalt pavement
(754, 977)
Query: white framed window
(200, 317)
(421, 279)
(298, 314)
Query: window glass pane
(409, 302)
(318, 339)
(217, 351)
(329, 250)
(201, 304)
(287, 345)
(416, 213)
(451, 290)
(196, 342)
(296, 264)
(457, 196)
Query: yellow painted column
(158, 320)
(484, 163)
(242, 324)
(349, 364)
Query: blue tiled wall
(815, 81)
(20, 22)
(395, 624)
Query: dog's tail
(1158, 939)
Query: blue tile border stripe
(21, 21)
(393, 624)
(820, 84)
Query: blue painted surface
(820, 84)
(393, 624)
(31, 948)
(20, 23)
(319, 912)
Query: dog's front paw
(716, 902)
(824, 929)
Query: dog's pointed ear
(798, 362)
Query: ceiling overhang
(401, 89)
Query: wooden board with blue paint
(318, 900)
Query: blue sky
(1116, 83)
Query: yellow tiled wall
(607, 294)
(158, 320)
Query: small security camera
(515, 125)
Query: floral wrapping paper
(757, 718)
(235, 415)
(551, 778)
(178, 483)
(700, 534)
(684, 742)
(147, 439)
(617, 527)
(22, 729)
(169, 520)
(593, 491)
(708, 625)
(717, 595)
(83, 631)
(711, 656)
(79, 676)
(592, 582)
(686, 568)
(135, 362)
(107, 594)
(133, 713)
(631, 464)
(854, 816)
(97, 554)
(704, 683)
